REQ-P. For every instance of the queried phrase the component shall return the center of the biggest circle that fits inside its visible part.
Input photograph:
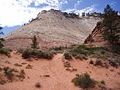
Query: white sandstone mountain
(52, 28)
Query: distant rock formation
(52, 28)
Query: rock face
(52, 28)
(96, 37)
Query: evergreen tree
(111, 31)
(108, 10)
(34, 42)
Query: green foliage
(20, 51)
(111, 32)
(5, 51)
(84, 50)
(67, 55)
(1, 45)
(8, 72)
(38, 53)
(21, 75)
(108, 10)
(34, 43)
(102, 82)
(83, 81)
(70, 15)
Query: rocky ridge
(52, 28)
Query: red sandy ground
(60, 78)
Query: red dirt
(60, 78)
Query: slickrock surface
(52, 28)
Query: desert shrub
(26, 53)
(20, 50)
(28, 66)
(98, 62)
(2, 82)
(67, 55)
(38, 53)
(1, 45)
(83, 81)
(47, 54)
(113, 63)
(8, 72)
(59, 49)
(81, 57)
(102, 82)
(118, 61)
(17, 64)
(5, 51)
(91, 62)
(2, 39)
(85, 50)
(21, 75)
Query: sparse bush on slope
(67, 55)
(5, 51)
(38, 53)
(83, 81)
(9, 72)
(81, 52)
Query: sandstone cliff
(52, 28)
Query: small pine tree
(34, 42)
(108, 10)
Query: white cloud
(17, 12)
(86, 10)
(77, 4)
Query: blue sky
(15, 13)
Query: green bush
(38, 53)
(102, 82)
(8, 72)
(1, 45)
(20, 50)
(27, 53)
(67, 55)
(84, 50)
(5, 51)
(21, 75)
(83, 81)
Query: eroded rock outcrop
(52, 28)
